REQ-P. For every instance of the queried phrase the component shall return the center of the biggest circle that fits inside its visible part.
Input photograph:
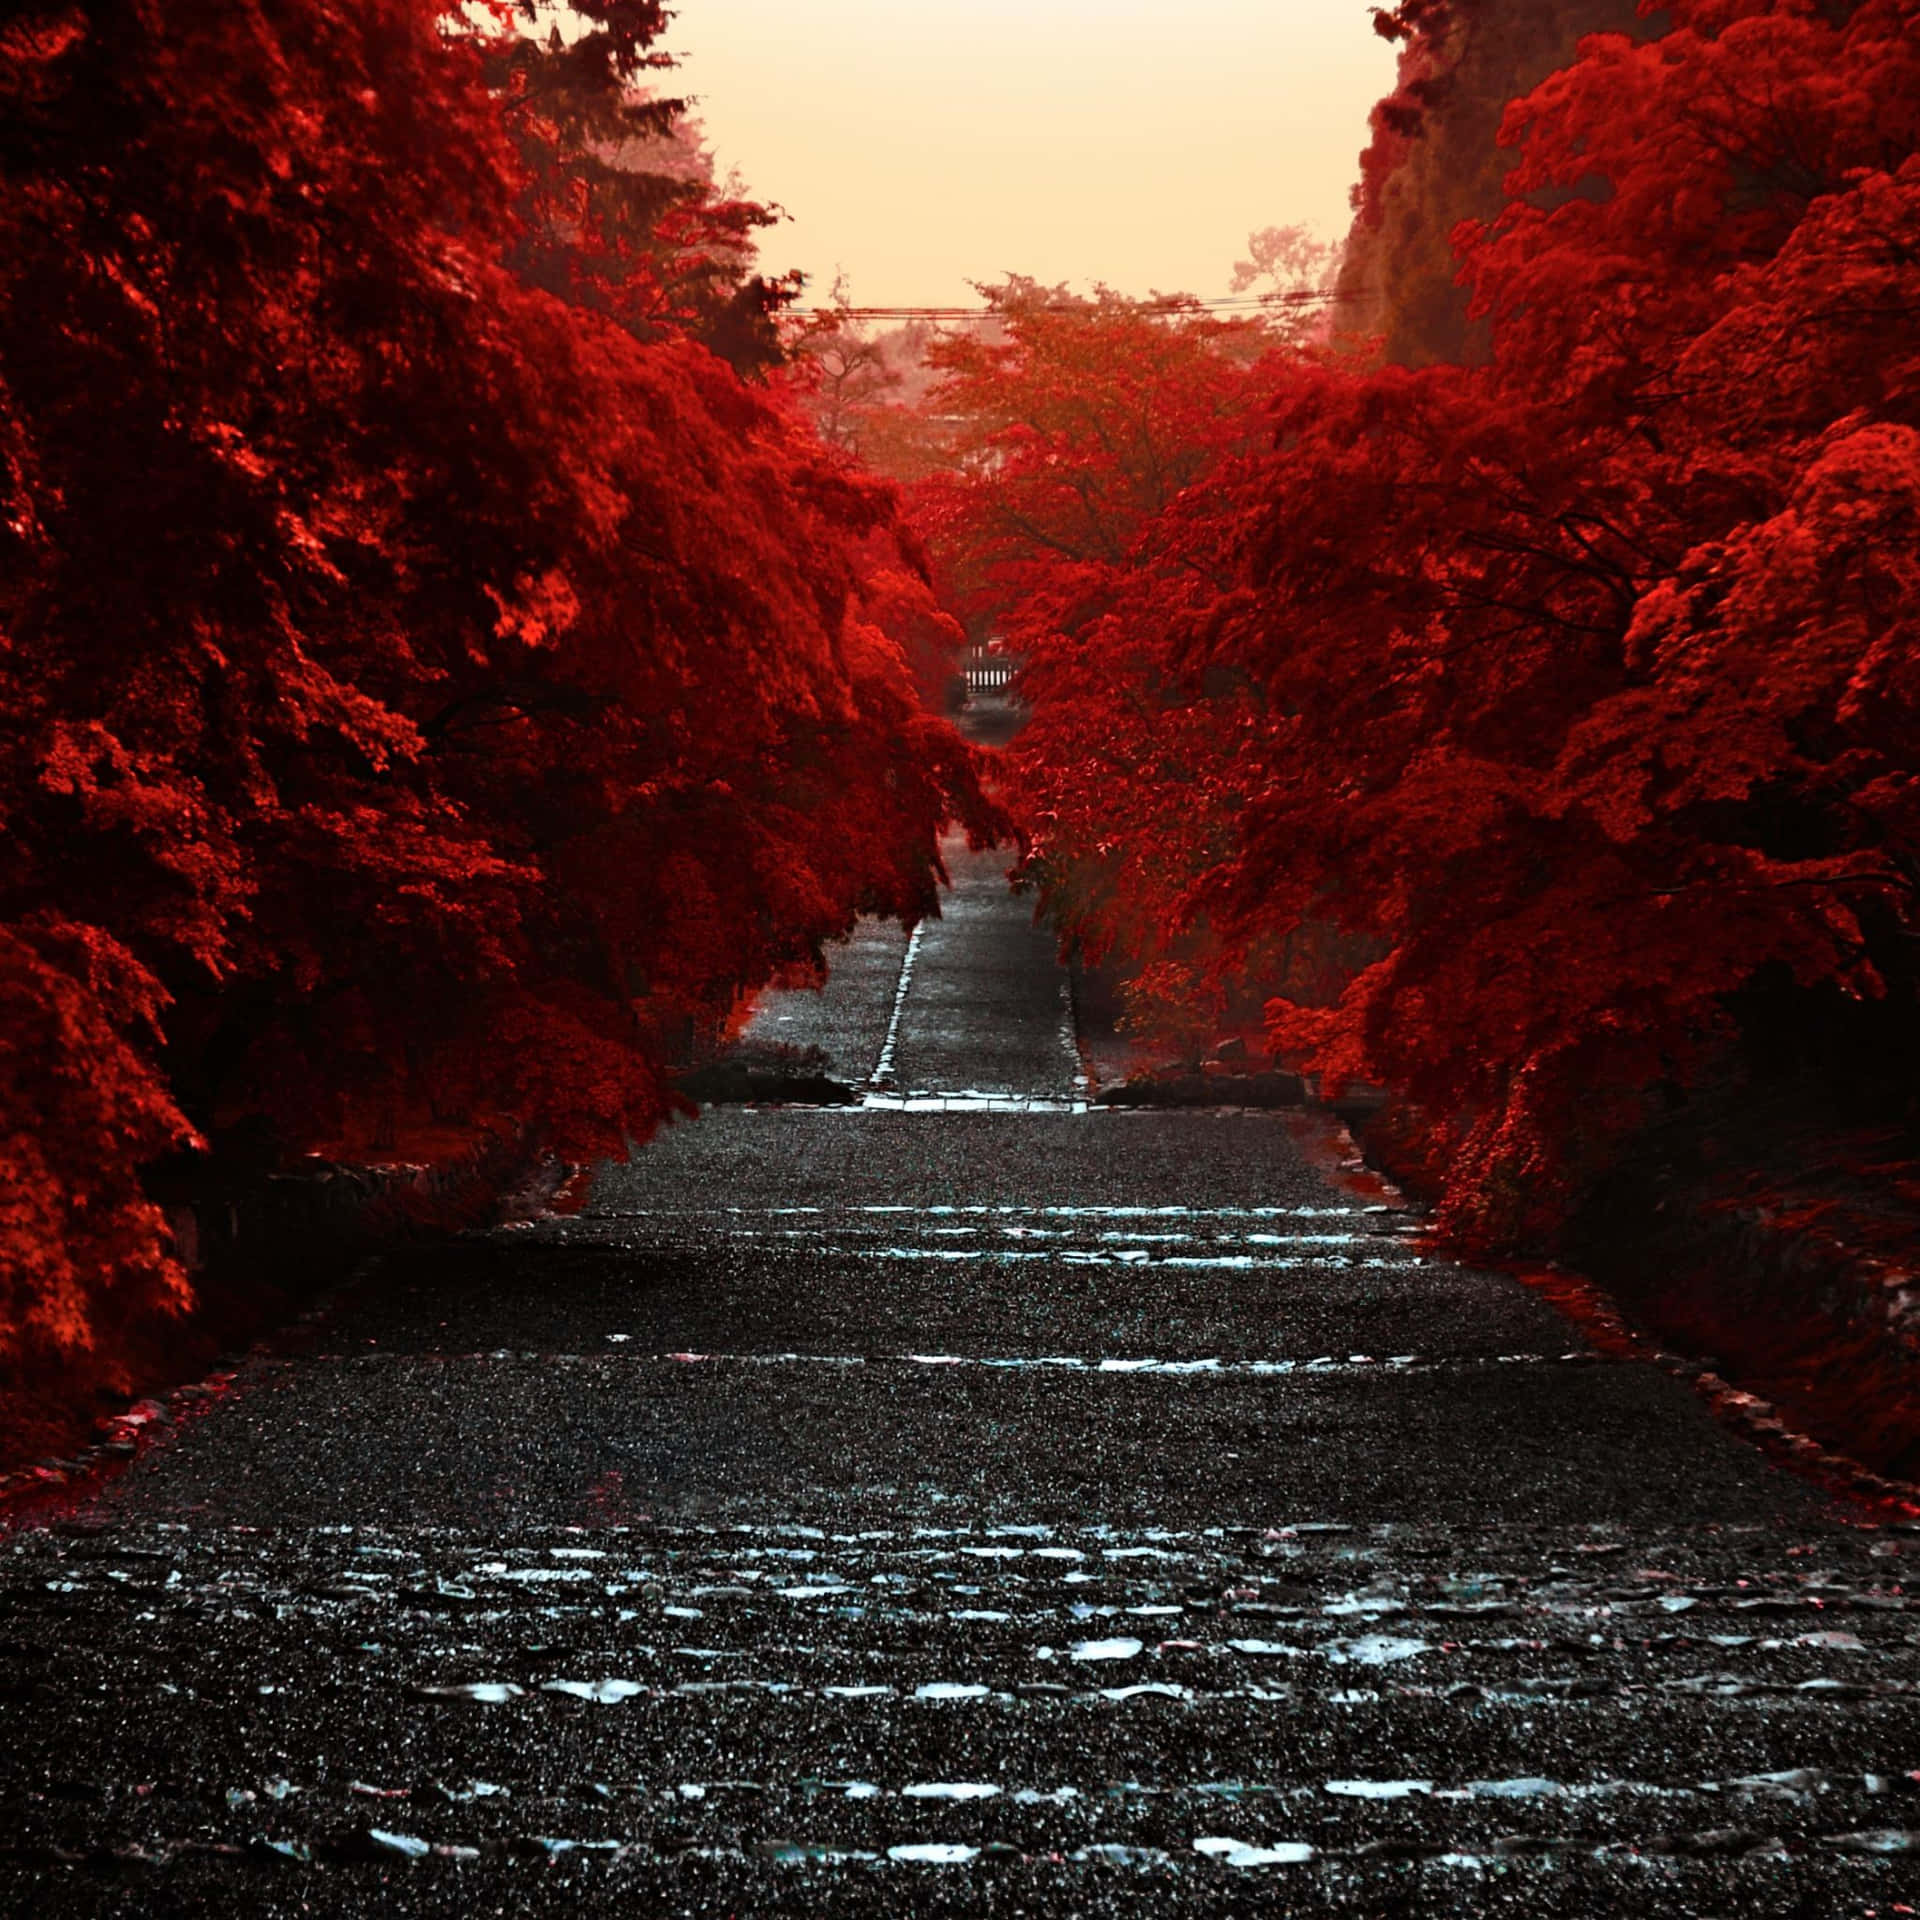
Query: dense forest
(442, 672)
(1512, 683)
(459, 635)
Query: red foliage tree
(1585, 680)
(1099, 456)
(426, 699)
(618, 208)
(1435, 160)
(1630, 755)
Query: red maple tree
(1582, 682)
(1088, 446)
(430, 695)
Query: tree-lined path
(965, 1501)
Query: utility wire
(1250, 303)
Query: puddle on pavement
(1241, 1853)
(602, 1692)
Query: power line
(1251, 303)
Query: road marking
(883, 1067)
(1210, 1366)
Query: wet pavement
(967, 1501)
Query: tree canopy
(1577, 686)
(436, 683)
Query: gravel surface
(965, 1503)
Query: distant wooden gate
(988, 671)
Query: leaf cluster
(431, 701)
(1579, 689)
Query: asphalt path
(970, 1501)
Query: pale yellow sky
(920, 146)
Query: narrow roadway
(966, 1502)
